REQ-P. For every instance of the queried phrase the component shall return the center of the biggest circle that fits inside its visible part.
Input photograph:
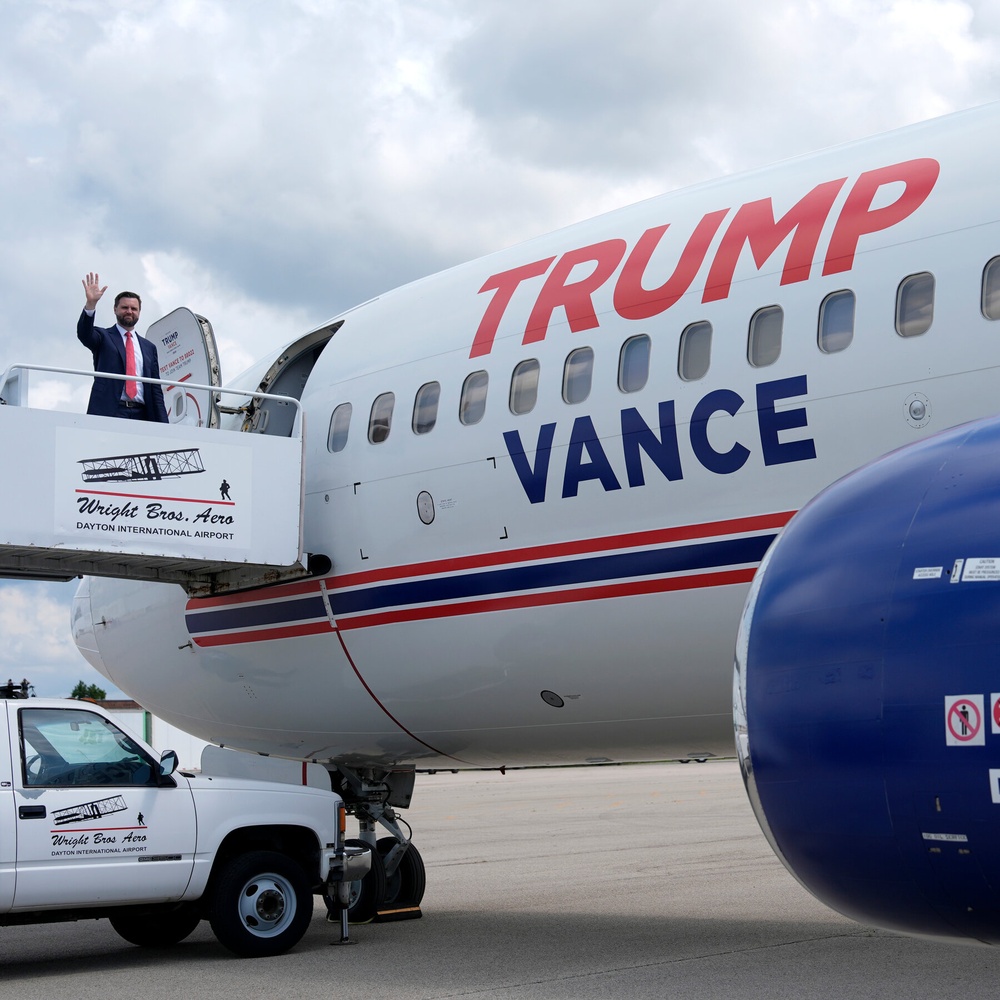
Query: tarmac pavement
(646, 881)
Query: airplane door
(285, 376)
(8, 842)
(186, 347)
(93, 825)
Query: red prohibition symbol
(964, 720)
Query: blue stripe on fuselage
(548, 575)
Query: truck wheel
(261, 904)
(161, 929)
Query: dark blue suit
(109, 356)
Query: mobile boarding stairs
(211, 509)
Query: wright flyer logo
(191, 502)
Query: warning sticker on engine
(963, 720)
(980, 570)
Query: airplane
(540, 484)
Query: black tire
(261, 904)
(367, 894)
(405, 887)
(159, 929)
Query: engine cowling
(867, 690)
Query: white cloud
(34, 623)
(245, 329)
(269, 165)
(50, 393)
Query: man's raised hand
(94, 291)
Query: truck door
(8, 842)
(93, 824)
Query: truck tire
(160, 929)
(261, 904)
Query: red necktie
(130, 387)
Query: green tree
(88, 691)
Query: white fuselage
(577, 590)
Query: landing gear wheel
(161, 929)
(405, 886)
(366, 894)
(261, 904)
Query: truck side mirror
(168, 763)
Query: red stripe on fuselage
(556, 550)
(513, 602)
(547, 598)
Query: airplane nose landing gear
(395, 883)
(405, 879)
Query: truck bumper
(349, 864)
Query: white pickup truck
(94, 824)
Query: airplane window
(836, 321)
(764, 344)
(991, 289)
(425, 407)
(633, 364)
(381, 417)
(524, 387)
(915, 305)
(695, 352)
(340, 424)
(473, 402)
(577, 375)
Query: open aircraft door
(285, 376)
(186, 346)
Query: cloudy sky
(269, 163)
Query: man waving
(119, 350)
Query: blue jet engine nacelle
(867, 690)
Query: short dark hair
(127, 295)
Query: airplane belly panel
(544, 685)
(482, 689)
